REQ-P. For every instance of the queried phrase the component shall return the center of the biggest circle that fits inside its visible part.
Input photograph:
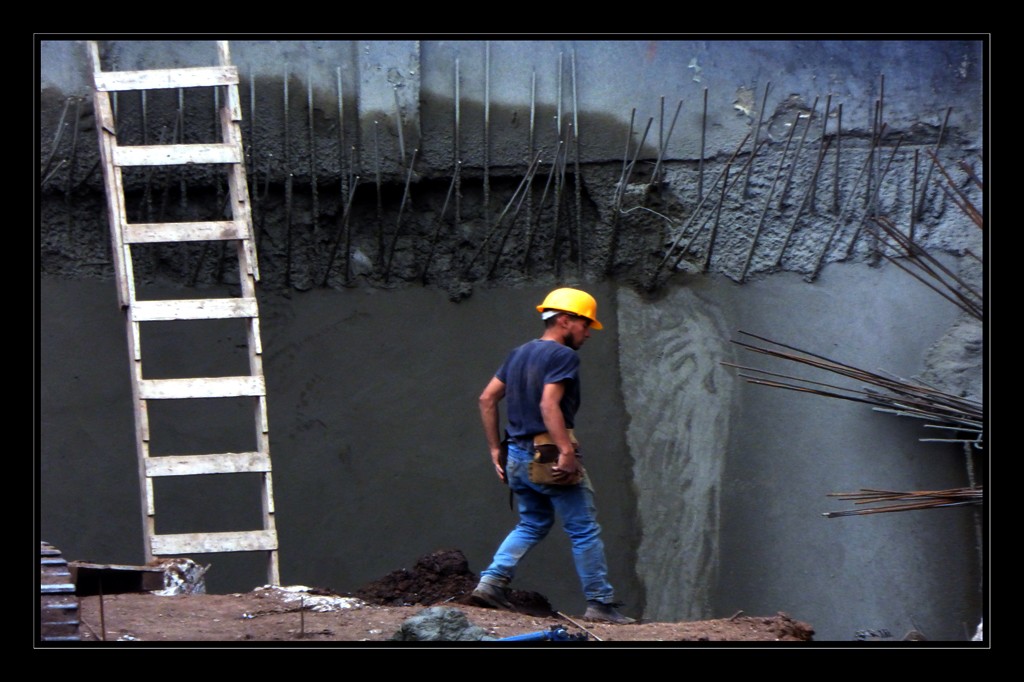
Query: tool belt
(545, 458)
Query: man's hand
(567, 464)
(495, 457)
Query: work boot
(492, 595)
(606, 613)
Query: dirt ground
(375, 613)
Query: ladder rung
(147, 233)
(162, 79)
(238, 541)
(224, 463)
(194, 309)
(176, 154)
(209, 387)
(58, 588)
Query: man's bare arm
(493, 394)
(554, 421)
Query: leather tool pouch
(545, 457)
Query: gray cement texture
(388, 297)
(710, 491)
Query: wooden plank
(165, 79)
(194, 309)
(237, 541)
(209, 387)
(176, 154)
(204, 231)
(224, 463)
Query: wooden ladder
(238, 228)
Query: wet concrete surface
(710, 491)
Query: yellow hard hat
(572, 301)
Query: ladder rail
(229, 153)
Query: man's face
(577, 331)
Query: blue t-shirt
(525, 372)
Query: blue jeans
(538, 505)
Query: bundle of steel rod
(907, 501)
(888, 394)
(928, 270)
(958, 196)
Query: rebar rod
(620, 188)
(664, 146)
(871, 151)
(923, 406)
(835, 176)
(796, 157)
(182, 186)
(166, 189)
(559, 184)
(881, 132)
(343, 226)
(72, 157)
(917, 253)
(398, 124)
(907, 501)
(398, 220)
(578, 177)
(487, 238)
(487, 134)
(254, 182)
(60, 164)
(902, 388)
(348, 219)
(377, 182)
(913, 196)
(439, 223)
(757, 135)
(727, 188)
(58, 135)
(312, 151)
(714, 228)
(699, 207)
(967, 308)
(796, 218)
(558, 99)
(287, 187)
(966, 168)
(613, 232)
(703, 135)
(928, 173)
(661, 130)
(874, 203)
(527, 182)
(342, 177)
(222, 197)
(840, 218)
(540, 210)
(632, 164)
(822, 148)
(147, 190)
(457, 161)
(925, 261)
(531, 143)
(966, 204)
(767, 202)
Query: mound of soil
(375, 612)
(443, 577)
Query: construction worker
(540, 380)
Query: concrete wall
(710, 490)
